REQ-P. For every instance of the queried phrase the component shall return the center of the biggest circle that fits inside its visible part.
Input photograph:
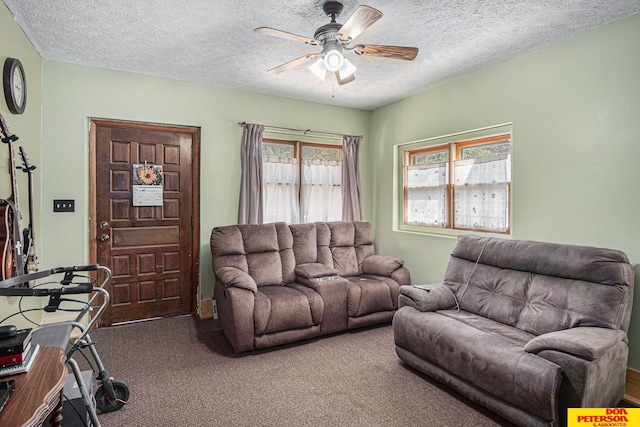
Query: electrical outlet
(215, 310)
(64, 205)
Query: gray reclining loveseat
(540, 327)
(277, 283)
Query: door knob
(104, 224)
(104, 237)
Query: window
(302, 181)
(462, 184)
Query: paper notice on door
(147, 185)
(144, 195)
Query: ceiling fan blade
(288, 65)
(393, 52)
(341, 82)
(285, 35)
(362, 18)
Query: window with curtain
(302, 181)
(461, 185)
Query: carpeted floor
(183, 372)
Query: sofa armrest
(381, 265)
(402, 276)
(587, 343)
(324, 285)
(427, 297)
(232, 277)
(314, 270)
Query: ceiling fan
(334, 38)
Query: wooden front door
(152, 250)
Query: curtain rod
(304, 131)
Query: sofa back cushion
(305, 243)
(263, 251)
(350, 243)
(324, 242)
(541, 287)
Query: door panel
(149, 249)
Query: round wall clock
(14, 83)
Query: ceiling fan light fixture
(333, 60)
(347, 69)
(319, 69)
(335, 39)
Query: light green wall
(73, 94)
(27, 126)
(575, 109)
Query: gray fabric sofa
(540, 327)
(277, 283)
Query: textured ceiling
(212, 41)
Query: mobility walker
(110, 395)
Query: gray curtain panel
(250, 210)
(350, 178)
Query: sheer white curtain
(280, 194)
(481, 196)
(426, 196)
(321, 195)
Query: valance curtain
(350, 178)
(251, 210)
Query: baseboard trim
(632, 391)
(206, 309)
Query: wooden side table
(38, 392)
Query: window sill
(445, 233)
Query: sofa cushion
(513, 335)
(265, 268)
(324, 243)
(305, 243)
(363, 233)
(555, 304)
(363, 241)
(493, 292)
(597, 265)
(259, 238)
(343, 233)
(345, 261)
(281, 308)
(525, 294)
(263, 251)
(485, 358)
(350, 243)
(227, 248)
(226, 241)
